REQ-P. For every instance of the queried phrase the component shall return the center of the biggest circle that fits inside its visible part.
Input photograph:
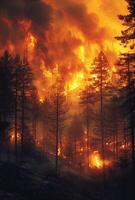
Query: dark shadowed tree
(101, 83)
(26, 77)
(126, 73)
(100, 74)
(128, 62)
(58, 112)
(6, 95)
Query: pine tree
(16, 90)
(101, 84)
(127, 39)
(6, 93)
(128, 35)
(86, 101)
(23, 93)
(126, 73)
(6, 96)
(35, 110)
(58, 116)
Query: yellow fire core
(96, 162)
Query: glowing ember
(82, 149)
(123, 147)
(31, 41)
(59, 151)
(41, 100)
(12, 137)
(96, 162)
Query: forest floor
(31, 182)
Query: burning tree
(86, 101)
(16, 94)
(101, 83)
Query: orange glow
(41, 100)
(62, 43)
(31, 41)
(82, 149)
(69, 43)
(96, 162)
(123, 147)
(59, 151)
(80, 52)
(76, 82)
(72, 42)
(12, 137)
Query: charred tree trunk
(75, 150)
(87, 129)
(102, 129)
(116, 145)
(131, 115)
(23, 115)
(101, 120)
(57, 133)
(44, 139)
(34, 128)
(125, 136)
(16, 117)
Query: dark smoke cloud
(64, 49)
(87, 23)
(49, 22)
(36, 11)
(61, 44)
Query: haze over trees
(67, 116)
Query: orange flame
(96, 162)
(59, 151)
(72, 42)
(12, 137)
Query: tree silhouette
(127, 61)
(6, 95)
(101, 83)
(58, 113)
(87, 100)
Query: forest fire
(67, 95)
(81, 44)
(96, 162)
(76, 82)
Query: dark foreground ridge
(20, 182)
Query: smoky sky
(60, 27)
(87, 23)
(93, 21)
(57, 26)
(36, 11)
